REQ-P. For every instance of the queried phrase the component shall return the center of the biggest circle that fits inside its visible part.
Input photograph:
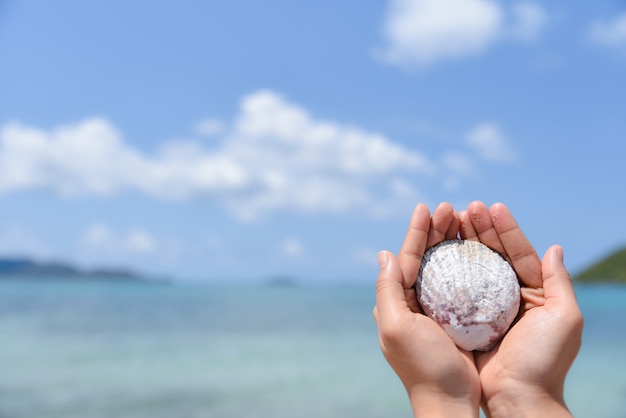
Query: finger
(440, 224)
(480, 219)
(556, 280)
(561, 297)
(466, 229)
(453, 229)
(414, 245)
(410, 295)
(516, 246)
(391, 302)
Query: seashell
(470, 291)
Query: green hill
(611, 269)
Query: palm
(536, 349)
(513, 357)
(454, 369)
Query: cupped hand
(526, 371)
(441, 379)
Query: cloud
(97, 235)
(459, 163)
(292, 247)
(210, 127)
(102, 238)
(101, 244)
(528, 21)
(458, 167)
(140, 241)
(307, 164)
(491, 144)
(609, 33)
(418, 33)
(275, 156)
(88, 156)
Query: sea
(130, 349)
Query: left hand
(525, 373)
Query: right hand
(441, 379)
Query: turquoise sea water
(121, 349)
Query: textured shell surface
(470, 291)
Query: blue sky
(243, 139)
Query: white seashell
(470, 291)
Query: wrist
(433, 405)
(526, 403)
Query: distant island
(26, 268)
(281, 281)
(611, 269)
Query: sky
(242, 140)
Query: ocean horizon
(93, 349)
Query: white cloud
(276, 156)
(210, 127)
(528, 20)
(313, 165)
(103, 245)
(491, 144)
(458, 163)
(89, 156)
(108, 242)
(419, 33)
(97, 235)
(292, 248)
(140, 241)
(610, 33)
(458, 167)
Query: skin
(440, 379)
(525, 373)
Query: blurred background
(236, 166)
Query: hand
(441, 379)
(524, 375)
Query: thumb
(556, 280)
(390, 296)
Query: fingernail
(383, 259)
(559, 253)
